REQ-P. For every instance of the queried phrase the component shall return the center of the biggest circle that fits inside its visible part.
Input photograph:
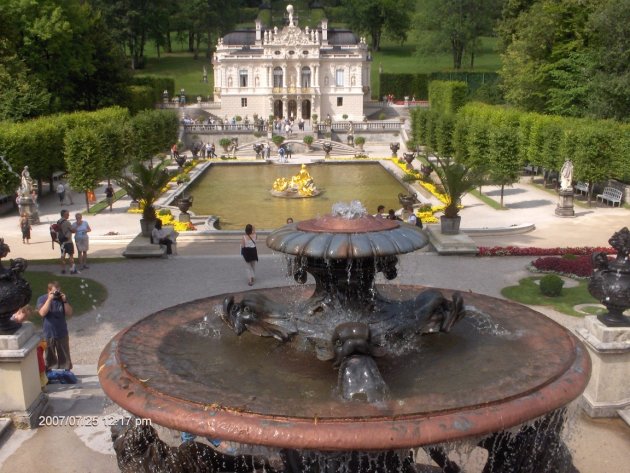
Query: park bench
(582, 187)
(610, 194)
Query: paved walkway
(138, 288)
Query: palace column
(285, 79)
(298, 69)
(299, 106)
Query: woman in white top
(81, 228)
(249, 252)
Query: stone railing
(343, 126)
(229, 128)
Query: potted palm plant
(308, 141)
(457, 180)
(145, 184)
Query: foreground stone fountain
(347, 374)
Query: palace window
(277, 77)
(339, 101)
(339, 77)
(242, 74)
(243, 102)
(306, 76)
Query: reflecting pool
(240, 193)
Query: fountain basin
(490, 373)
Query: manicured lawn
(84, 294)
(528, 292)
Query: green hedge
(157, 84)
(447, 96)
(39, 143)
(410, 85)
(140, 97)
(482, 134)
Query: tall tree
(546, 65)
(610, 78)
(375, 17)
(454, 25)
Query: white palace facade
(292, 72)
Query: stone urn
(394, 147)
(409, 157)
(180, 159)
(258, 148)
(610, 281)
(327, 147)
(15, 291)
(184, 204)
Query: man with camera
(54, 307)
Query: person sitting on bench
(161, 236)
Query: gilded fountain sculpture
(299, 186)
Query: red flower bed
(580, 266)
(531, 251)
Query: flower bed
(427, 216)
(580, 267)
(167, 219)
(532, 251)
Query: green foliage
(373, 17)
(359, 140)
(417, 85)
(144, 185)
(150, 132)
(447, 96)
(551, 285)
(308, 140)
(528, 292)
(64, 47)
(9, 179)
(457, 180)
(277, 140)
(157, 84)
(504, 166)
(225, 142)
(83, 157)
(454, 25)
(139, 97)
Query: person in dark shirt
(54, 307)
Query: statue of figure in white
(290, 12)
(566, 175)
(26, 186)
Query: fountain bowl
(501, 366)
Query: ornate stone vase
(394, 147)
(15, 291)
(184, 204)
(610, 281)
(327, 147)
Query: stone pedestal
(565, 204)
(28, 207)
(21, 396)
(608, 391)
(184, 217)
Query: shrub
(257, 134)
(314, 117)
(225, 142)
(359, 140)
(408, 177)
(344, 116)
(238, 118)
(164, 211)
(308, 140)
(551, 285)
(277, 140)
